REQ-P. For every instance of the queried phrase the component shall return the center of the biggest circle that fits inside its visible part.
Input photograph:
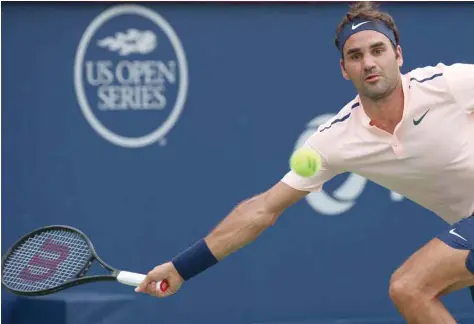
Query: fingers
(160, 282)
(144, 284)
(151, 286)
(160, 289)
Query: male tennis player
(412, 133)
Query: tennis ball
(305, 162)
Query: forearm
(242, 226)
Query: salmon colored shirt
(430, 157)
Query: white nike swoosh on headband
(358, 25)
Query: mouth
(372, 77)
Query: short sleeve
(460, 79)
(316, 182)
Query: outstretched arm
(250, 218)
(242, 226)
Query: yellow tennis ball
(305, 162)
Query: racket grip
(135, 279)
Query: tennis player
(411, 133)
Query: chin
(378, 91)
(377, 95)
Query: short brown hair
(369, 11)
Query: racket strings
(46, 260)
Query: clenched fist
(170, 279)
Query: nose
(369, 63)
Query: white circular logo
(344, 197)
(130, 75)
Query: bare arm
(244, 223)
(250, 218)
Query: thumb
(150, 277)
(142, 286)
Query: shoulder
(340, 121)
(454, 82)
(428, 77)
(440, 74)
(328, 134)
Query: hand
(171, 281)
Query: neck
(385, 113)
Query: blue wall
(256, 76)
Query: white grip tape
(133, 279)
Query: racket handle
(135, 279)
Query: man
(412, 133)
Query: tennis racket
(53, 258)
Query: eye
(356, 56)
(378, 51)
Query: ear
(343, 70)
(399, 56)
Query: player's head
(371, 56)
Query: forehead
(364, 39)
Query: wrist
(175, 271)
(194, 260)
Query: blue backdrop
(144, 126)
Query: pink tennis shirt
(430, 157)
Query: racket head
(47, 260)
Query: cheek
(353, 72)
(396, 66)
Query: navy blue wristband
(194, 260)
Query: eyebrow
(357, 49)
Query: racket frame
(78, 279)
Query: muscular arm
(239, 228)
(250, 218)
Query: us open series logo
(131, 76)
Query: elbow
(267, 218)
(259, 213)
